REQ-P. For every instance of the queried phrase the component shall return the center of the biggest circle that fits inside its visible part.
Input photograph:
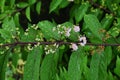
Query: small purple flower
(74, 46)
(76, 28)
(67, 32)
(82, 40)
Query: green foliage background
(25, 22)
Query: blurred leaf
(81, 11)
(110, 76)
(73, 10)
(108, 54)
(77, 1)
(27, 13)
(31, 2)
(17, 24)
(5, 34)
(107, 21)
(63, 74)
(117, 69)
(57, 77)
(2, 57)
(8, 29)
(118, 22)
(38, 7)
(54, 4)
(22, 4)
(94, 25)
(12, 3)
(86, 72)
(48, 68)
(2, 15)
(114, 31)
(3, 65)
(47, 30)
(16, 19)
(62, 49)
(15, 57)
(2, 5)
(32, 66)
(110, 6)
(9, 25)
(98, 67)
(97, 12)
(76, 65)
(63, 4)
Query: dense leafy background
(24, 22)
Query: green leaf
(77, 1)
(63, 74)
(62, 49)
(81, 11)
(5, 34)
(63, 4)
(32, 66)
(2, 5)
(76, 65)
(97, 12)
(114, 31)
(54, 4)
(9, 25)
(108, 54)
(117, 69)
(94, 25)
(47, 30)
(38, 7)
(94, 67)
(31, 2)
(3, 65)
(17, 23)
(12, 3)
(15, 57)
(22, 4)
(2, 16)
(27, 13)
(110, 76)
(73, 11)
(48, 68)
(107, 21)
(8, 29)
(32, 35)
(118, 22)
(2, 56)
(86, 72)
(98, 67)
(16, 19)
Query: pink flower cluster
(66, 31)
(82, 40)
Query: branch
(101, 7)
(59, 43)
(13, 13)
